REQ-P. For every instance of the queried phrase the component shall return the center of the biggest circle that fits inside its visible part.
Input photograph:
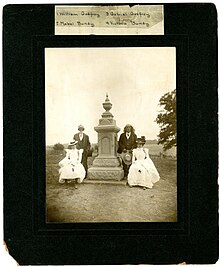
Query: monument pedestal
(107, 165)
(106, 173)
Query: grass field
(154, 149)
(111, 202)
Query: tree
(166, 119)
(58, 146)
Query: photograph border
(122, 228)
(29, 241)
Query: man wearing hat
(83, 143)
(126, 143)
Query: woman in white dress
(71, 168)
(142, 171)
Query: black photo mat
(30, 239)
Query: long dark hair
(132, 128)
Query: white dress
(71, 167)
(142, 171)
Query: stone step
(93, 181)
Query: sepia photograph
(111, 137)
(110, 145)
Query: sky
(77, 80)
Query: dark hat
(141, 140)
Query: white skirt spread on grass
(142, 172)
(71, 167)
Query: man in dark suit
(83, 143)
(127, 141)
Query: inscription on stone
(105, 145)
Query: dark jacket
(125, 143)
(85, 144)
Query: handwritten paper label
(123, 19)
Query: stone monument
(107, 165)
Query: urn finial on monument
(107, 99)
(107, 105)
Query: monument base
(105, 173)
(103, 161)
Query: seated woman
(142, 171)
(71, 168)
